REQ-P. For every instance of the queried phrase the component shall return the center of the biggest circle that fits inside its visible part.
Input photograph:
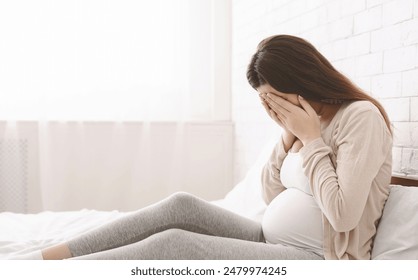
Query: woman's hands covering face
(302, 121)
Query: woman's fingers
(282, 117)
(279, 103)
(306, 106)
(272, 113)
(266, 106)
(274, 116)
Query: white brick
(406, 160)
(310, 20)
(368, 20)
(327, 50)
(416, 57)
(289, 10)
(316, 36)
(409, 161)
(272, 5)
(416, 9)
(370, 64)
(399, 59)
(402, 134)
(397, 109)
(296, 8)
(347, 67)
(403, 34)
(414, 162)
(394, 36)
(276, 3)
(341, 28)
(387, 85)
(322, 11)
(334, 10)
(372, 3)
(397, 11)
(409, 32)
(310, 5)
(291, 26)
(414, 109)
(396, 159)
(358, 45)
(410, 83)
(339, 49)
(414, 134)
(350, 7)
(386, 38)
(364, 83)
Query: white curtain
(105, 95)
(106, 60)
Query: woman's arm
(363, 143)
(270, 178)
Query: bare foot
(57, 252)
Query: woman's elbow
(340, 224)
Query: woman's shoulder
(360, 106)
(356, 117)
(360, 122)
(360, 110)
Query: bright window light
(105, 60)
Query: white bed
(397, 235)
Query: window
(123, 60)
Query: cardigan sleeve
(362, 143)
(270, 176)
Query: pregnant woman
(325, 183)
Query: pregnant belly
(294, 218)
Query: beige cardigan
(349, 169)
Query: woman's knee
(182, 198)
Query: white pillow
(397, 233)
(245, 198)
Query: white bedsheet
(24, 233)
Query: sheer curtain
(106, 94)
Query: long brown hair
(292, 65)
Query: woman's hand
(287, 137)
(302, 122)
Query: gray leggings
(181, 226)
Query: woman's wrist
(288, 140)
(306, 141)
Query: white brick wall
(373, 42)
(400, 59)
(414, 112)
(397, 108)
(397, 11)
(386, 85)
(368, 20)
